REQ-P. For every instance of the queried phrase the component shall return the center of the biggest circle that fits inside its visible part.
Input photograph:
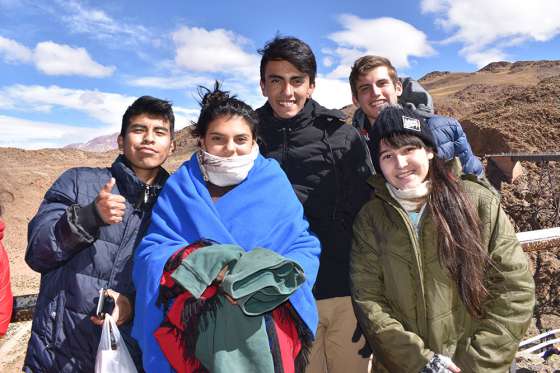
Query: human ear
(398, 88)
(310, 90)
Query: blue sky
(69, 68)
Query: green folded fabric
(261, 280)
(200, 268)
(234, 342)
(235, 338)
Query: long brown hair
(459, 231)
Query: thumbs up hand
(110, 206)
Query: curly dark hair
(216, 103)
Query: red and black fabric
(289, 339)
(168, 287)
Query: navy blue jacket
(77, 254)
(450, 138)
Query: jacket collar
(311, 110)
(377, 181)
(361, 122)
(1, 229)
(131, 187)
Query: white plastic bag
(112, 354)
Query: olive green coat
(409, 307)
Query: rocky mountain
(98, 144)
(106, 143)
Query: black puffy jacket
(77, 257)
(327, 163)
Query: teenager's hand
(122, 311)
(440, 364)
(110, 206)
(450, 364)
(219, 279)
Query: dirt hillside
(504, 107)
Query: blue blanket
(262, 211)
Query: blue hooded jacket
(76, 257)
(448, 134)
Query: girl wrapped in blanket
(245, 304)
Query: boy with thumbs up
(82, 239)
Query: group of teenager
(289, 242)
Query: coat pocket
(57, 317)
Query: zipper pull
(146, 194)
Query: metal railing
(543, 239)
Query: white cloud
(26, 134)
(486, 28)
(332, 93)
(483, 58)
(388, 37)
(58, 59)
(98, 24)
(219, 50)
(170, 82)
(54, 59)
(107, 108)
(184, 117)
(13, 52)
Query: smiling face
(228, 136)
(374, 90)
(286, 88)
(405, 167)
(146, 144)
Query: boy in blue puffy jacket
(82, 240)
(374, 83)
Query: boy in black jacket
(327, 164)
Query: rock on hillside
(98, 144)
(106, 143)
(504, 106)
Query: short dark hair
(290, 49)
(365, 64)
(150, 106)
(216, 103)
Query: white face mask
(222, 171)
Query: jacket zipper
(285, 149)
(136, 210)
(415, 238)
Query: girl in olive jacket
(438, 277)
